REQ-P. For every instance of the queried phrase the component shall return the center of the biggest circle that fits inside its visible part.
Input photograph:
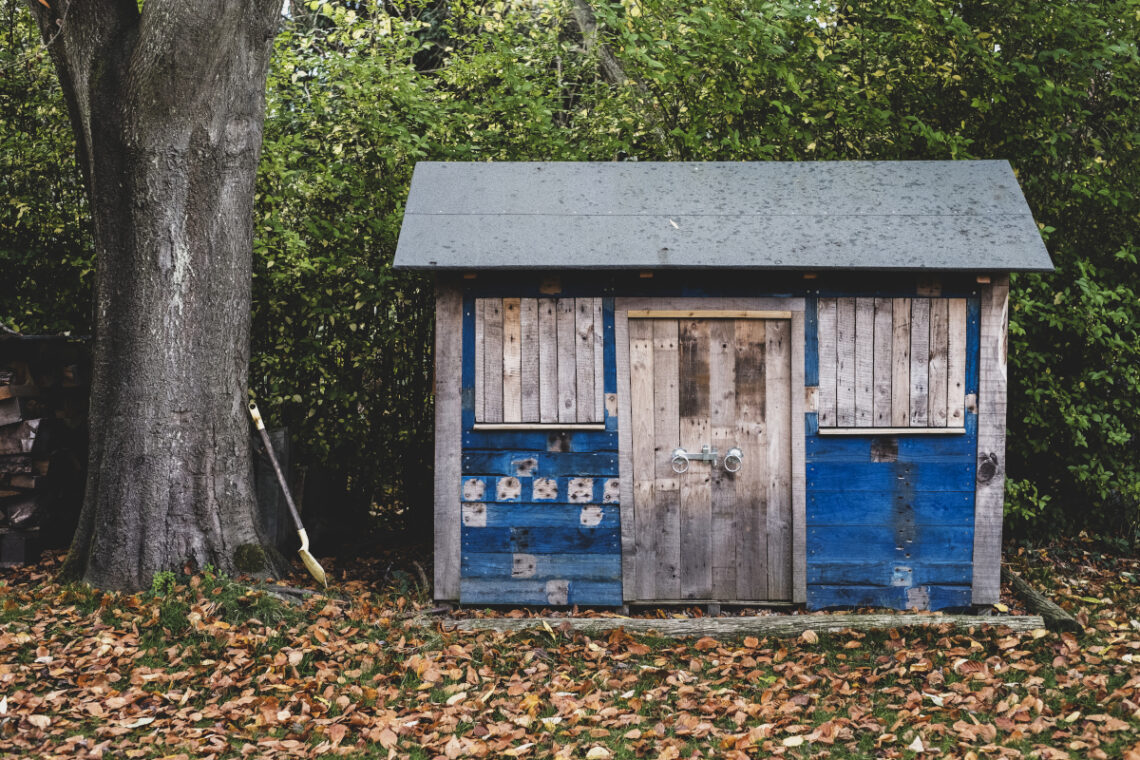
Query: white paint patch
(525, 468)
(523, 565)
(508, 489)
(580, 490)
(612, 492)
(972, 403)
(474, 489)
(545, 489)
(901, 576)
(590, 516)
(918, 598)
(611, 405)
(475, 515)
(558, 592)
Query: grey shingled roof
(879, 215)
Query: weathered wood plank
(919, 476)
(752, 480)
(991, 440)
(529, 359)
(552, 592)
(882, 507)
(559, 540)
(722, 427)
(480, 359)
(567, 361)
(919, 361)
(900, 363)
(890, 431)
(540, 464)
(448, 424)
(599, 363)
(540, 515)
(512, 361)
(871, 573)
(845, 362)
(547, 360)
(956, 363)
(864, 362)
(696, 487)
(584, 360)
(493, 360)
(591, 567)
(763, 625)
(777, 397)
(641, 372)
(799, 461)
(939, 336)
(827, 362)
(825, 450)
(882, 360)
(666, 437)
(707, 314)
(1055, 617)
(630, 563)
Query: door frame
(629, 527)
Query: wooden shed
(720, 383)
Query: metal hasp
(681, 458)
(733, 460)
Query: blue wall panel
(594, 567)
(541, 463)
(890, 476)
(568, 516)
(561, 540)
(535, 593)
(889, 507)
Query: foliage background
(360, 91)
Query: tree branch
(612, 70)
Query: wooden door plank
(845, 362)
(722, 425)
(825, 327)
(630, 564)
(799, 463)
(956, 363)
(512, 361)
(666, 437)
(864, 361)
(882, 361)
(919, 361)
(493, 360)
(900, 363)
(936, 393)
(696, 486)
(778, 403)
(480, 381)
(584, 359)
(644, 469)
(751, 482)
(567, 358)
(599, 363)
(528, 341)
(988, 504)
(547, 360)
(448, 424)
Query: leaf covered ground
(201, 667)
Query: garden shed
(720, 383)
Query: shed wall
(889, 519)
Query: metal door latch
(732, 460)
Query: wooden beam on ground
(1056, 619)
(763, 625)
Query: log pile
(43, 410)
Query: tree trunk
(168, 106)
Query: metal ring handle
(680, 461)
(734, 456)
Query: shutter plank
(845, 364)
(547, 360)
(567, 361)
(584, 359)
(599, 364)
(480, 381)
(493, 360)
(864, 361)
(937, 393)
(827, 361)
(882, 361)
(919, 361)
(512, 361)
(956, 363)
(900, 363)
(528, 327)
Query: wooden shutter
(538, 361)
(892, 363)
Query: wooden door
(707, 533)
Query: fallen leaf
(809, 637)
(916, 745)
(39, 721)
(793, 741)
(598, 753)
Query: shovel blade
(314, 567)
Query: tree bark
(168, 106)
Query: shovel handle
(253, 412)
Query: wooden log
(22, 513)
(1056, 619)
(764, 625)
(20, 438)
(15, 464)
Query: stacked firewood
(43, 409)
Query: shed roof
(867, 215)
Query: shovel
(310, 561)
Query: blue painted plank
(550, 515)
(890, 476)
(887, 507)
(563, 493)
(545, 464)
(537, 440)
(609, 352)
(590, 567)
(899, 542)
(911, 448)
(891, 597)
(811, 341)
(904, 574)
(973, 342)
(811, 424)
(527, 592)
(600, 540)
